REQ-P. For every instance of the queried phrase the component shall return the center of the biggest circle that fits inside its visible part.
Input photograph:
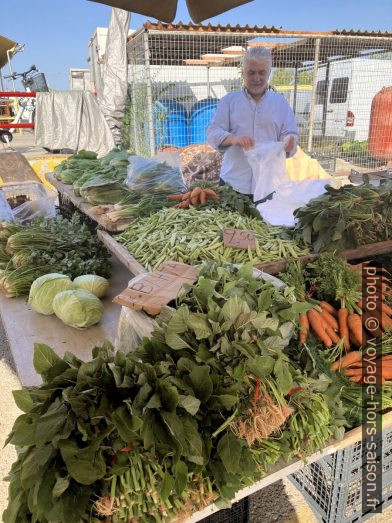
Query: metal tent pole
(313, 101)
(295, 89)
(149, 95)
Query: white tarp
(71, 120)
(112, 94)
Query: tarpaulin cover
(71, 120)
(112, 93)
(5, 45)
(165, 10)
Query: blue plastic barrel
(170, 124)
(200, 118)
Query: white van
(344, 108)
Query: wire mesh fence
(339, 87)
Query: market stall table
(25, 327)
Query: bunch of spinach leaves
(162, 416)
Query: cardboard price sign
(238, 238)
(152, 290)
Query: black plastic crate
(67, 209)
(238, 513)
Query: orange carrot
(316, 322)
(329, 319)
(329, 308)
(356, 379)
(343, 327)
(387, 373)
(196, 191)
(372, 323)
(387, 309)
(354, 322)
(386, 322)
(347, 360)
(203, 198)
(353, 372)
(183, 205)
(186, 196)
(175, 197)
(332, 334)
(195, 201)
(211, 195)
(304, 327)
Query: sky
(56, 32)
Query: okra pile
(191, 236)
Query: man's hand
(289, 143)
(246, 142)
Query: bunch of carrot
(331, 325)
(196, 197)
(353, 366)
(323, 322)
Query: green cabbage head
(78, 308)
(92, 283)
(44, 289)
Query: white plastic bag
(31, 210)
(268, 163)
(5, 210)
(288, 197)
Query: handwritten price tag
(238, 238)
(152, 290)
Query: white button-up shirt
(269, 119)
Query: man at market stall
(249, 116)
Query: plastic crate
(333, 485)
(21, 192)
(238, 513)
(67, 209)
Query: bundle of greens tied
(201, 409)
(192, 236)
(48, 246)
(346, 218)
(98, 181)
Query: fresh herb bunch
(51, 245)
(231, 200)
(335, 281)
(346, 218)
(159, 433)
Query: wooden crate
(360, 253)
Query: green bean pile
(191, 236)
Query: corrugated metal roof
(209, 28)
(358, 32)
(298, 48)
(264, 29)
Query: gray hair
(261, 54)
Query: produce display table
(25, 327)
(68, 192)
(282, 470)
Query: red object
(350, 119)
(16, 126)
(380, 131)
(17, 94)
